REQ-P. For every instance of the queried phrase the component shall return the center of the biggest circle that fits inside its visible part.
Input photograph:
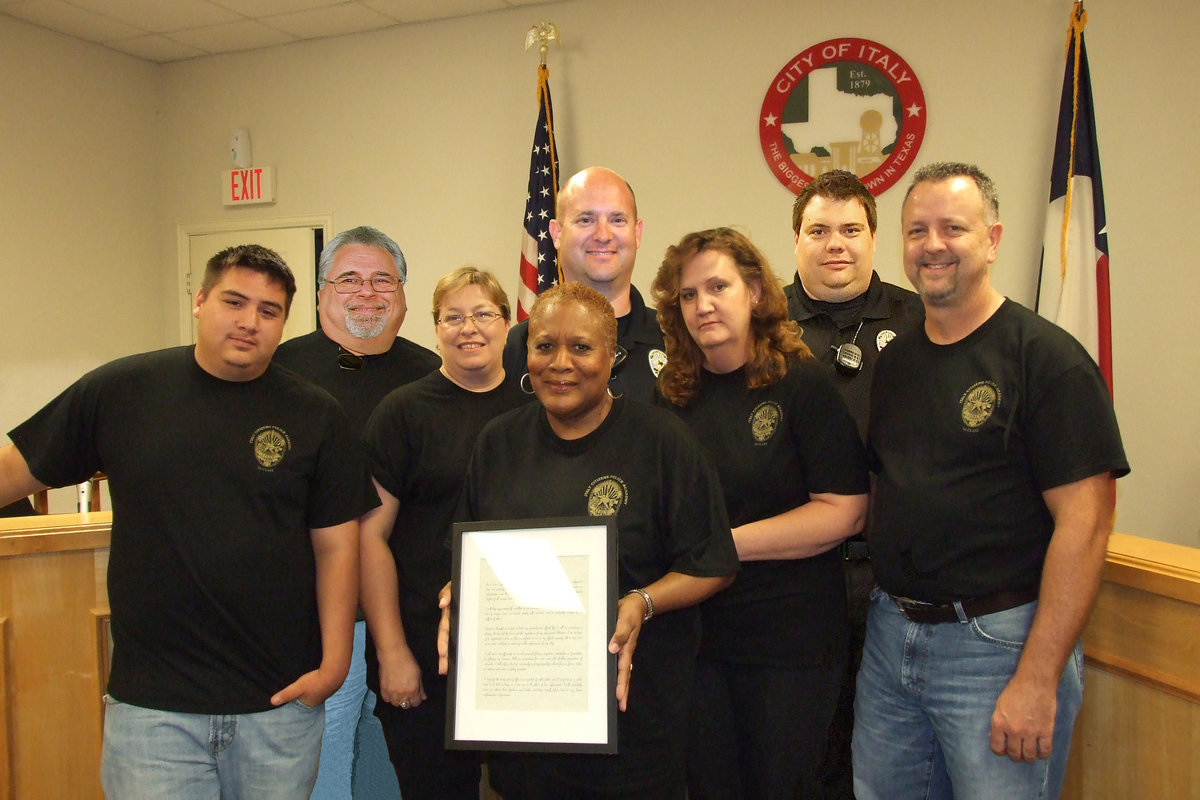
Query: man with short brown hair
(995, 447)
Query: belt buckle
(908, 604)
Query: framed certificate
(534, 607)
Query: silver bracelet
(646, 599)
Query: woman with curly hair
(774, 644)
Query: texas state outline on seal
(849, 104)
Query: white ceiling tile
(160, 16)
(156, 48)
(71, 20)
(422, 10)
(267, 8)
(233, 36)
(330, 21)
(190, 28)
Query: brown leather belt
(928, 613)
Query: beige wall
(424, 131)
(80, 279)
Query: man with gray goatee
(357, 356)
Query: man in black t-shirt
(233, 570)
(995, 448)
(357, 356)
(597, 233)
(847, 315)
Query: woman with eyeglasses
(774, 644)
(580, 451)
(420, 439)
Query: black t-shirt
(419, 440)
(670, 517)
(965, 438)
(883, 311)
(18, 508)
(215, 486)
(773, 446)
(314, 357)
(637, 332)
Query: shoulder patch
(658, 360)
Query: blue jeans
(270, 755)
(354, 756)
(924, 704)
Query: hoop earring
(521, 383)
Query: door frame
(185, 230)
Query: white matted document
(534, 606)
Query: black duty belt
(929, 613)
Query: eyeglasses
(348, 360)
(480, 318)
(352, 284)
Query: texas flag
(1073, 285)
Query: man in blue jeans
(994, 448)
(233, 568)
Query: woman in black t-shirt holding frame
(582, 451)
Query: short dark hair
(836, 184)
(255, 258)
(595, 304)
(944, 170)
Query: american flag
(539, 259)
(1073, 285)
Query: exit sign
(243, 187)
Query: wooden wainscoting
(52, 596)
(1139, 731)
(1136, 737)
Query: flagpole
(539, 258)
(1074, 38)
(1073, 284)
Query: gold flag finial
(542, 35)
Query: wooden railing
(1136, 737)
(54, 647)
(1139, 731)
